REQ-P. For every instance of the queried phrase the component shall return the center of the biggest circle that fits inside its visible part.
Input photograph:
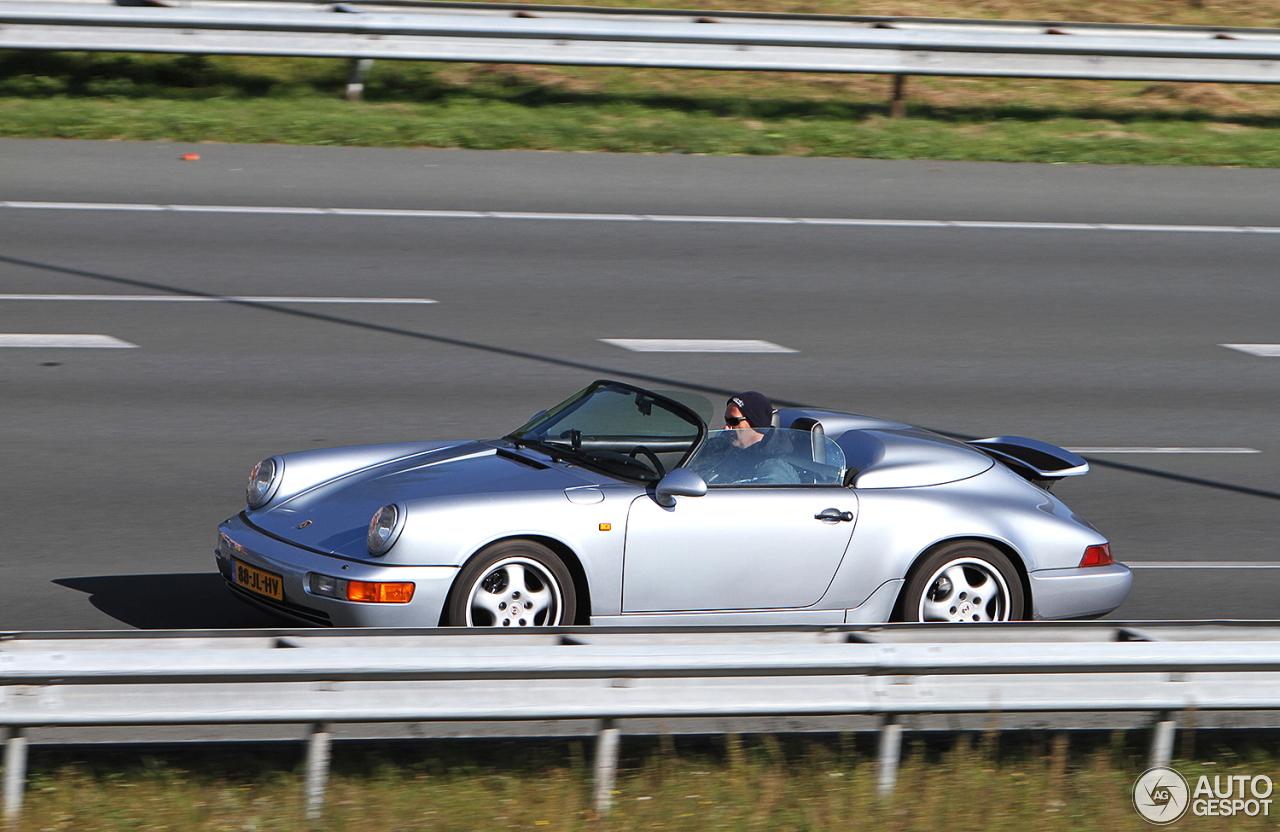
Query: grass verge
(726, 784)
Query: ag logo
(1161, 795)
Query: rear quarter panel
(897, 525)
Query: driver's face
(743, 433)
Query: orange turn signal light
(371, 592)
(1099, 555)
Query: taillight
(1099, 555)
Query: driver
(751, 456)
(747, 415)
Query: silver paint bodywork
(736, 555)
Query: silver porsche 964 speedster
(621, 506)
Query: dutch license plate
(256, 580)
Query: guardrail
(484, 33)
(890, 673)
(499, 9)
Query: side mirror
(679, 483)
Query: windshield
(779, 457)
(625, 431)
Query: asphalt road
(119, 463)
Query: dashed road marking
(215, 299)
(664, 218)
(695, 345)
(1260, 350)
(55, 341)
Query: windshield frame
(568, 452)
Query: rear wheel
(963, 582)
(514, 584)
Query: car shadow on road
(190, 601)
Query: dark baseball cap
(755, 406)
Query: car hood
(333, 516)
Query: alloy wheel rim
(965, 590)
(515, 592)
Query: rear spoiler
(1039, 462)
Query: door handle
(834, 515)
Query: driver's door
(736, 548)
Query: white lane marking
(694, 345)
(220, 299)
(1118, 450)
(85, 206)
(241, 209)
(1261, 350)
(42, 341)
(1225, 564)
(667, 218)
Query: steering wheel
(651, 457)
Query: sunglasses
(734, 421)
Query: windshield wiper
(556, 450)
(561, 452)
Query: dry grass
(762, 784)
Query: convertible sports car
(621, 506)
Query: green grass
(298, 101)
(482, 124)
(729, 784)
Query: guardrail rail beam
(899, 48)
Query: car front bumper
(240, 541)
(1082, 592)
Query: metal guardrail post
(15, 773)
(355, 81)
(1188, 718)
(898, 106)
(890, 752)
(317, 769)
(607, 742)
(1162, 740)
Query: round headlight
(384, 529)
(262, 482)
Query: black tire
(518, 583)
(943, 586)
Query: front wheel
(514, 584)
(963, 582)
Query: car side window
(780, 457)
